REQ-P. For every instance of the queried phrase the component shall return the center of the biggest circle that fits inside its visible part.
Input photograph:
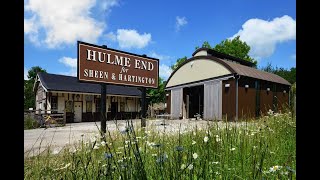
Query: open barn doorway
(193, 101)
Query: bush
(30, 123)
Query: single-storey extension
(81, 101)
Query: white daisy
(195, 155)
(183, 166)
(205, 139)
(190, 167)
(193, 142)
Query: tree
(29, 95)
(157, 95)
(32, 73)
(178, 62)
(236, 48)
(289, 75)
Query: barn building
(59, 94)
(218, 86)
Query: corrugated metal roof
(55, 82)
(255, 73)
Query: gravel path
(37, 140)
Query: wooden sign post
(103, 65)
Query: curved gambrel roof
(236, 68)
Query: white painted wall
(197, 70)
(61, 103)
(201, 53)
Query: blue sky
(161, 29)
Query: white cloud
(63, 22)
(180, 21)
(25, 73)
(159, 56)
(263, 36)
(30, 25)
(130, 38)
(111, 36)
(293, 56)
(164, 71)
(71, 63)
(106, 5)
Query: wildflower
(107, 155)
(138, 137)
(218, 138)
(127, 141)
(118, 152)
(126, 146)
(72, 150)
(254, 147)
(190, 167)
(205, 139)
(275, 168)
(183, 166)
(193, 142)
(93, 139)
(103, 143)
(194, 133)
(67, 165)
(215, 162)
(195, 155)
(270, 112)
(120, 161)
(56, 151)
(154, 155)
(162, 158)
(232, 149)
(179, 148)
(96, 146)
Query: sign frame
(115, 51)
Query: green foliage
(289, 75)
(157, 95)
(32, 73)
(178, 62)
(263, 149)
(206, 45)
(29, 95)
(30, 123)
(235, 47)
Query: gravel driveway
(37, 140)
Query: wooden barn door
(212, 100)
(176, 102)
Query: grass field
(258, 149)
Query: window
(122, 106)
(98, 105)
(54, 102)
(89, 106)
